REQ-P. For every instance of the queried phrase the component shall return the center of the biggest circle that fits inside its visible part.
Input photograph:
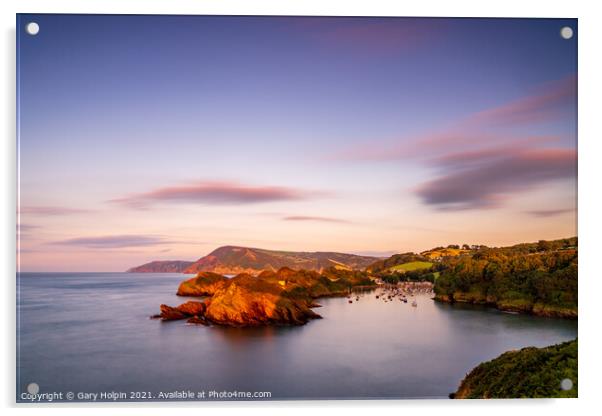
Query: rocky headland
(284, 297)
(526, 306)
(162, 266)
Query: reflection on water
(91, 332)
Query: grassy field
(446, 252)
(413, 265)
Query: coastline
(516, 306)
(319, 345)
(285, 297)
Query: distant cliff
(530, 373)
(236, 260)
(167, 266)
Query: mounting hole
(32, 28)
(566, 32)
(566, 384)
(33, 388)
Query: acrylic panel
(295, 208)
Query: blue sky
(172, 135)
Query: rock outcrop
(249, 301)
(192, 310)
(285, 297)
(203, 284)
(169, 313)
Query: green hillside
(538, 278)
(528, 373)
(410, 266)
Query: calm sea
(91, 333)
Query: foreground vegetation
(528, 373)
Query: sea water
(88, 336)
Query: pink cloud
(544, 213)
(545, 104)
(488, 179)
(51, 210)
(215, 193)
(23, 228)
(479, 165)
(438, 144)
(478, 156)
(382, 34)
(370, 35)
(26, 231)
(113, 241)
(312, 218)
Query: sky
(164, 137)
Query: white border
(590, 209)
